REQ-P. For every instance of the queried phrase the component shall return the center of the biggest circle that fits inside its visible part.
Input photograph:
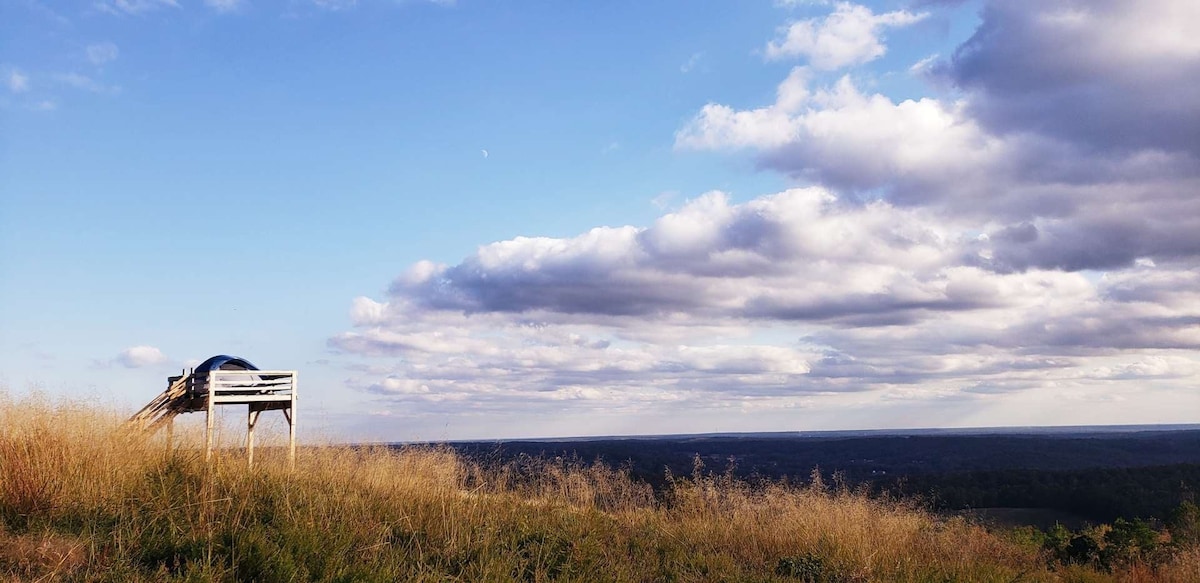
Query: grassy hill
(81, 500)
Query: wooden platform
(259, 390)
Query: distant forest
(1099, 494)
(1099, 476)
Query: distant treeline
(1097, 476)
(1100, 494)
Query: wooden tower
(224, 380)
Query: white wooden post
(209, 420)
(251, 420)
(292, 422)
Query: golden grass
(82, 500)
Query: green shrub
(808, 568)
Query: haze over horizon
(468, 220)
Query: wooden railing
(244, 386)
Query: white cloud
(1057, 190)
(773, 258)
(16, 81)
(140, 356)
(923, 66)
(693, 61)
(971, 254)
(101, 53)
(778, 300)
(851, 35)
(721, 126)
(839, 136)
(1117, 75)
(1150, 366)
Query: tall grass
(83, 500)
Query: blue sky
(505, 219)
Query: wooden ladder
(163, 408)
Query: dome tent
(207, 371)
(224, 362)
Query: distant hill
(863, 455)
(1099, 472)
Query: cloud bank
(1070, 139)
(1033, 232)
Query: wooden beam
(209, 419)
(236, 382)
(291, 417)
(251, 373)
(251, 421)
(243, 399)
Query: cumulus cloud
(780, 299)
(140, 356)
(1033, 234)
(1149, 367)
(1069, 160)
(796, 255)
(1113, 75)
(848, 36)
(838, 136)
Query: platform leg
(251, 421)
(209, 419)
(291, 418)
(290, 414)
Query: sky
(483, 219)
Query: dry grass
(40, 556)
(81, 500)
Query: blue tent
(225, 362)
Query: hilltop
(82, 500)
